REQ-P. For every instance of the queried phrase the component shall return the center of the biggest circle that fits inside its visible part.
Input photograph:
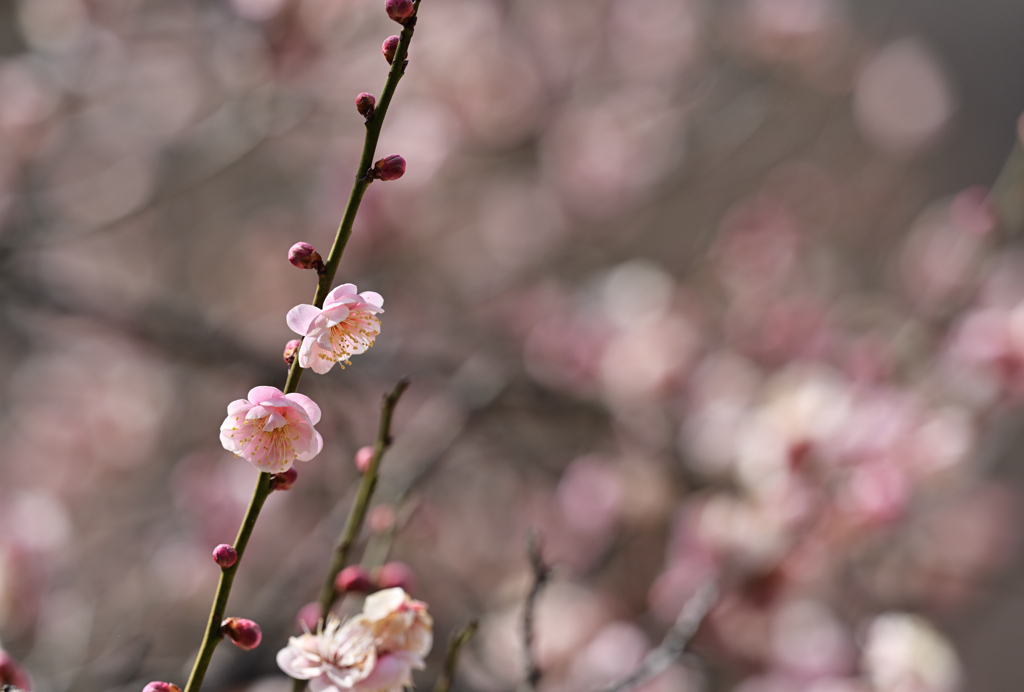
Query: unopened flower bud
(394, 574)
(388, 168)
(291, 349)
(12, 673)
(389, 48)
(365, 103)
(353, 578)
(245, 634)
(399, 10)
(284, 480)
(363, 458)
(161, 687)
(225, 555)
(305, 256)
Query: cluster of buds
(388, 168)
(245, 634)
(356, 578)
(305, 256)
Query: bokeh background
(693, 288)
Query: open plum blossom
(375, 651)
(345, 327)
(271, 430)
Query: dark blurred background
(676, 282)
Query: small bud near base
(245, 634)
(354, 578)
(389, 48)
(225, 555)
(364, 455)
(388, 168)
(305, 256)
(365, 104)
(399, 10)
(284, 480)
(291, 349)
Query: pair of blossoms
(375, 651)
(270, 429)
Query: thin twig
(451, 659)
(541, 574)
(672, 646)
(357, 515)
(1007, 192)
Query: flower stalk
(264, 486)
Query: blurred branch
(451, 659)
(541, 574)
(675, 641)
(361, 506)
(1007, 195)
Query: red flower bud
(395, 574)
(399, 10)
(161, 687)
(12, 673)
(225, 555)
(365, 104)
(284, 480)
(388, 168)
(353, 578)
(291, 349)
(245, 634)
(305, 256)
(389, 48)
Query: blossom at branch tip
(271, 430)
(375, 651)
(346, 326)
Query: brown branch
(672, 646)
(541, 574)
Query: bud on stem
(388, 168)
(245, 634)
(305, 256)
(389, 48)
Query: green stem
(357, 515)
(326, 278)
(451, 659)
(213, 636)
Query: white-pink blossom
(345, 327)
(375, 651)
(271, 430)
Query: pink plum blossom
(271, 430)
(374, 651)
(346, 326)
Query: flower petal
(374, 299)
(305, 402)
(339, 292)
(300, 317)
(257, 395)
